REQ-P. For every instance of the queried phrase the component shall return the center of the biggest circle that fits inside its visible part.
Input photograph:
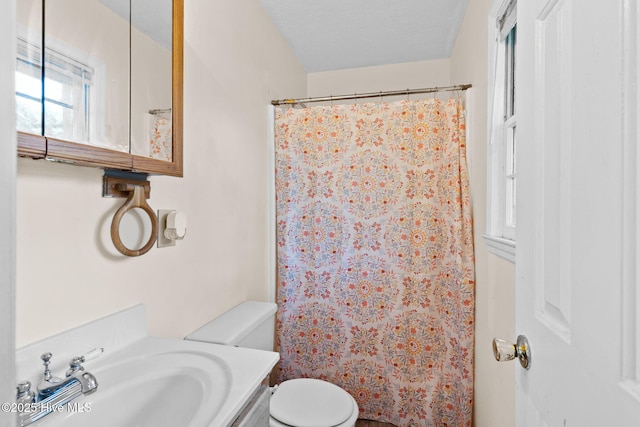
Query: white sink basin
(148, 381)
(165, 389)
(147, 388)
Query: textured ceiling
(337, 34)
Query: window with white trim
(502, 172)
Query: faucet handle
(46, 359)
(24, 394)
(75, 364)
(92, 354)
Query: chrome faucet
(76, 373)
(55, 392)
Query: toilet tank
(249, 324)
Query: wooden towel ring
(136, 199)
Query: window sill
(502, 247)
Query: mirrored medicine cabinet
(99, 83)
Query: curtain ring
(136, 199)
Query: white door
(577, 282)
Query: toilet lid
(307, 402)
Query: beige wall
(410, 75)
(67, 270)
(494, 383)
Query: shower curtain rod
(370, 95)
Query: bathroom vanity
(146, 380)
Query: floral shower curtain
(375, 257)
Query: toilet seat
(307, 402)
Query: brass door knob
(503, 351)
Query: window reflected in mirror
(86, 82)
(28, 75)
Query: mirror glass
(29, 66)
(108, 74)
(86, 77)
(151, 78)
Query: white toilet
(302, 402)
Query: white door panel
(577, 196)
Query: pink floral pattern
(365, 289)
(160, 137)
(375, 257)
(369, 182)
